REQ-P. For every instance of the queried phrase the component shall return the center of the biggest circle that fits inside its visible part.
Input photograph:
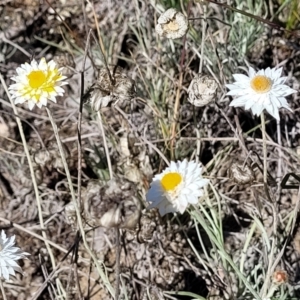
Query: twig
(279, 167)
(118, 257)
(263, 129)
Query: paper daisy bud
(202, 90)
(104, 90)
(172, 24)
(37, 83)
(280, 276)
(176, 187)
(9, 255)
(260, 90)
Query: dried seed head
(172, 24)
(4, 130)
(148, 222)
(51, 154)
(202, 90)
(66, 62)
(241, 174)
(111, 204)
(133, 160)
(105, 90)
(25, 179)
(280, 276)
(42, 157)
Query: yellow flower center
(36, 79)
(172, 25)
(261, 84)
(170, 181)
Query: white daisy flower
(172, 24)
(37, 83)
(9, 255)
(176, 187)
(261, 90)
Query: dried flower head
(111, 204)
(172, 24)
(280, 277)
(134, 160)
(241, 173)
(117, 88)
(148, 223)
(50, 157)
(9, 255)
(66, 63)
(25, 180)
(71, 217)
(176, 187)
(261, 90)
(37, 83)
(202, 90)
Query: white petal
(257, 109)
(241, 78)
(241, 101)
(252, 72)
(272, 110)
(31, 104)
